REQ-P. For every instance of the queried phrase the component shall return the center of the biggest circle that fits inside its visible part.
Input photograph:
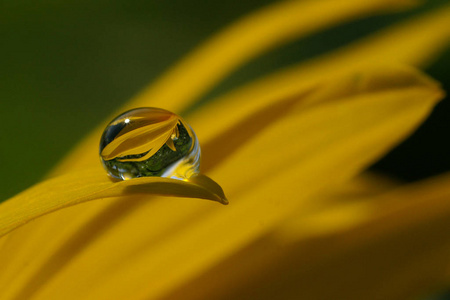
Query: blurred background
(67, 65)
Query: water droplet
(149, 141)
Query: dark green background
(66, 65)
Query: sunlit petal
(388, 246)
(78, 187)
(336, 140)
(272, 98)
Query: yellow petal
(170, 144)
(78, 187)
(240, 116)
(366, 121)
(154, 145)
(234, 46)
(332, 142)
(392, 246)
(414, 42)
(139, 140)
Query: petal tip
(223, 200)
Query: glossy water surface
(149, 142)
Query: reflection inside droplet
(149, 142)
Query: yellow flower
(304, 221)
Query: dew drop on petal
(149, 141)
